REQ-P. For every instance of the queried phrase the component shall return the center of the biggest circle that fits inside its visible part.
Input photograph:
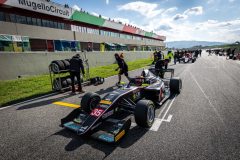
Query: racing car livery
(109, 118)
(188, 57)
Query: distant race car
(189, 57)
(109, 118)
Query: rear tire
(144, 113)
(90, 101)
(175, 85)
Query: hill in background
(189, 44)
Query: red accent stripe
(2, 1)
(129, 29)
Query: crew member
(159, 68)
(159, 55)
(167, 58)
(176, 57)
(155, 57)
(122, 66)
(76, 66)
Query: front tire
(90, 101)
(144, 113)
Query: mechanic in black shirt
(122, 66)
(76, 66)
(159, 55)
(159, 68)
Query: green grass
(13, 91)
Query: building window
(34, 21)
(44, 23)
(21, 19)
(39, 22)
(67, 26)
(2, 16)
(29, 20)
(55, 25)
(51, 24)
(12, 18)
(7, 17)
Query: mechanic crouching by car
(167, 59)
(76, 66)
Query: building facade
(41, 25)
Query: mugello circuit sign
(41, 6)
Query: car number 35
(97, 112)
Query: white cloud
(170, 10)
(194, 11)
(76, 7)
(211, 30)
(179, 16)
(123, 20)
(97, 15)
(210, 1)
(107, 1)
(191, 11)
(231, 1)
(148, 10)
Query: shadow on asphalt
(44, 102)
(128, 140)
(107, 90)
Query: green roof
(87, 18)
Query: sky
(201, 20)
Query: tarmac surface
(203, 122)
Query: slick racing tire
(66, 64)
(175, 85)
(57, 66)
(90, 101)
(57, 84)
(144, 113)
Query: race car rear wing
(154, 70)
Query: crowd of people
(230, 53)
(178, 55)
(161, 61)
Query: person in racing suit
(76, 66)
(122, 66)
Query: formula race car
(109, 118)
(189, 57)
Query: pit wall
(13, 65)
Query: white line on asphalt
(214, 108)
(44, 96)
(163, 109)
(158, 123)
(169, 118)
